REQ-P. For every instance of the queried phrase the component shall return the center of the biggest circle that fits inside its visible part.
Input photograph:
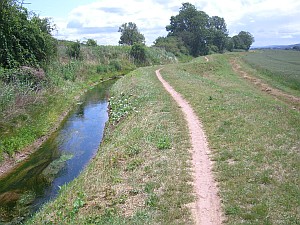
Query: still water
(58, 161)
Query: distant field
(282, 66)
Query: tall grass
(27, 99)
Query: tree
(229, 44)
(171, 44)
(243, 40)
(25, 39)
(138, 52)
(191, 26)
(198, 31)
(218, 33)
(91, 42)
(73, 50)
(130, 34)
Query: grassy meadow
(279, 67)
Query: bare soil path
(207, 208)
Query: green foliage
(91, 42)
(113, 66)
(119, 108)
(172, 44)
(73, 50)
(164, 143)
(130, 34)
(243, 40)
(199, 34)
(138, 52)
(191, 26)
(25, 39)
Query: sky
(271, 22)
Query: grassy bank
(32, 102)
(141, 172)
(254, 137)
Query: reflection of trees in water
(24, 187)
(80, 111)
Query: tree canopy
(25, 39)
(197, 30)
(200, 34)
(243, 40)
(130, 34)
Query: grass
(254, 138)
(141, 174)
(27, 114)
(279, 67)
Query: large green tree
(217, 33)
(197, 30)
(25, 39)
(191, 26)
(130, 34)
(243, 40)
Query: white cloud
(266, 19)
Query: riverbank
(142, 171)
(59, 160)
(29, 116)
(9, 162)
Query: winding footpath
(207, 208)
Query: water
(58, 161)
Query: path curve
(207, 208)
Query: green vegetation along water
(59, 160)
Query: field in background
(279, 67)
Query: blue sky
(270, 21)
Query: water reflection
(58, 161)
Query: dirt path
(207, 208)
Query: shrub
(138, 52)
(73, 50)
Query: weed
(134, 164)
(132, 151)
(119, 108)
(152, 200)
(164, 143)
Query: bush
(24, 40)
(138, 52)
(73, 50)
(91, 42)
